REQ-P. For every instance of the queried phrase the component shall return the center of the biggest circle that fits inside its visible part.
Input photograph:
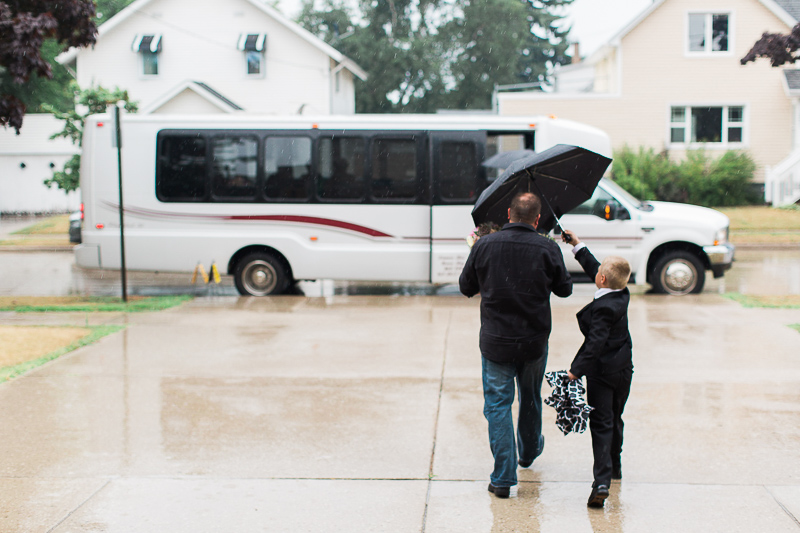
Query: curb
(36, 248)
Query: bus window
(234, 167)
(181, 169)
(497, 143)
(287, 166)
(341, 168)
(394, 169)
(458, 171)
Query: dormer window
(148, 46)
(709, 33)
(253, 46)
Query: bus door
(374, 186)
(457, 179)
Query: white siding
(199, 43)
(22, 190)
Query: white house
(215, 56)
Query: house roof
(301, 32)
(786, 10)
(791, 82)
(200, 89)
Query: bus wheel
(678, 273)
(260, 275)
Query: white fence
(782, 182)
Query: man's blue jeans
(498, 396)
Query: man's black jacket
(607, 346)
(515, 270)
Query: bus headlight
(721, 236)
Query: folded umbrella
(564, 176)
(572, 412)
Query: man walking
(515, 270)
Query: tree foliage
(424, 55)
(777, 47)
(25, 26)
(91, 101)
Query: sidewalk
(364, 414)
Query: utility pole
(117, 141)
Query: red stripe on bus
(313, 220)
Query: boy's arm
(602, 319)
(587, 261)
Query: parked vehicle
(669, 245)
(273, 200)
(75, 220)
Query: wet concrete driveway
(364, 413)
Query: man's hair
(525, 207)
(616, 270)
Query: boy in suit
(606, 359)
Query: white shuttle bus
(273, 200)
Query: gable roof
(131, 9)
(199, 88)
(788, 11)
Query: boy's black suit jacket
(607, 346)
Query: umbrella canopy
(504, 159)
(564, 176)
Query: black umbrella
(564, 176)
(504, 159)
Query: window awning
(252, 42)
(147, 43)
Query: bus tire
(678, 273)
(260, 274)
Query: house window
(149, 47)
(709, 33)
(707, 124)
(253, 45)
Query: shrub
(699, 179)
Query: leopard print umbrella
(572, 411)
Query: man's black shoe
(616, 472)
(505, 492)
(598, 496)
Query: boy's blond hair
(617, 270)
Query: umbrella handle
(558, 222)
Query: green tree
(431, 54)
(91, 101)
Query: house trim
(198, 88)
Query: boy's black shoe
(616, 472)
(504, 492)
(598, 496)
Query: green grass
(789, 301)
(98, 332)
(90, 304)
(48, 226)
(795, 326)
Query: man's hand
(569, 237)
(572, 376)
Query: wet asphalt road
(55, 274)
